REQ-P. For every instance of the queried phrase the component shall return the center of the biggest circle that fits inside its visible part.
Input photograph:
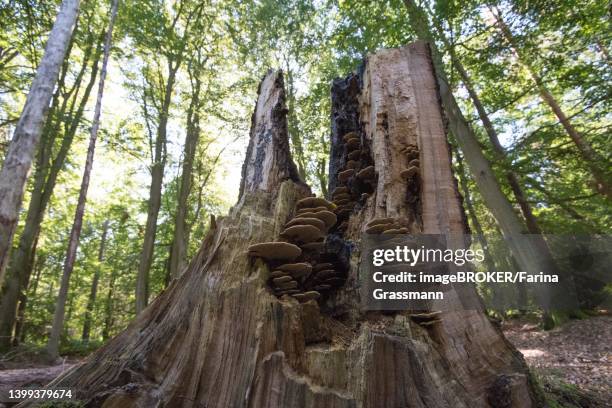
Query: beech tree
(20, 154)
(64, 118)
(160, 87)
(73, 242)
(598, 164)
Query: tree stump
(219, 337)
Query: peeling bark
(219, 337)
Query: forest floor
(575, 357)
(573, 362)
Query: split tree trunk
(218, 337)
(19, 157)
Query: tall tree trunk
(108, 307)
(510, 224)
(75, 233)
(179, 242)
(91, 302)
(498, 149)
(155, 193)
(219, 337)
(599, 166)
(19, 157)
(471, 211)
(292, 125)
(22, 260)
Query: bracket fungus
(282, 279)
(379, 228)
(302, 233)
(409, 172)
(366, 173)
(295, 267)
(328, 217)
(352, 164)
(341, 196)
(311, 202)
(314, 246)
(340, 190)
(272, 251)
(315, 222)
(345, 175)
(322, 266)
(353, 144)
(349, 136)
(354, 155)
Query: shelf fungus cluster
(411, 173)
(356, 179)
(388, 226)
(300, 267)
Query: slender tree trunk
(292, 121)
(219, 337)
(322, 176)
(108, 307)
(179, 242)
(599, 166)
(471, 211)
(20, 324)
(510, 224)
(91, 302)
(498, 149)
(19, 157)
(155, 192)
(58, 317)
(23, 257)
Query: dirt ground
(579, 352)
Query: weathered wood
(218, 337)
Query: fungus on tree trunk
(219, 337)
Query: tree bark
(179, 241)
(23, 256)
(510, 224)
(91, 302)
(155, 193)
(16, 166)
(471, 211)
(500, 153)
(75, 233)
(292, 125)
(599, 166)
(108, 307)
(219, 337)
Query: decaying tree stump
(219, 337)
